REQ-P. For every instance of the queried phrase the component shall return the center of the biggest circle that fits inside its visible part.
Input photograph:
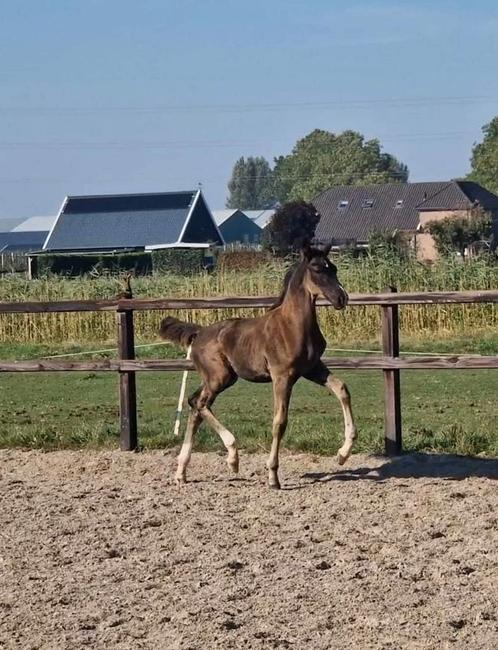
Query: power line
(399, 102)
(202, 144)
(337, 178)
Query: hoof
(274, 486)
(341, 459)
(180, 480)
(233, 464)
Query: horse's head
(320, 276)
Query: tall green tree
(322, 159)
(250, 186)
(484, 161)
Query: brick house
(350, 214)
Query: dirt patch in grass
(101, 550)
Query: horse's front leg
(282, 389)
(322, 375)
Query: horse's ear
(327, 248)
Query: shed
(236, 226)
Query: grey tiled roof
(22, 241)
(120, 221)
(354, 212)
(461, 195)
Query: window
(343, 204)
(399, 203)
(367, 203)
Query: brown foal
(280, 347)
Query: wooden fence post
(392, 390)
(127, 383)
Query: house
(132, 223)
(456, 199)
(237, 227)
(350, 214)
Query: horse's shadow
(437, 466)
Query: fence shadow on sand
(438, 466)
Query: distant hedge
(181, 261)
(176, 261)
(74, 265)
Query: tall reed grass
(355, 324)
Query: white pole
(181, 397)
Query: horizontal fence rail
(250, 302)
(463, 362)
(390, 363)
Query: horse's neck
(298, 307)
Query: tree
(484, 161)
(457, 233)
(250, 185)
(322, 159)
(291, 225)
(388, 244)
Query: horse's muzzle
(341, 300)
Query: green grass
(444, 411)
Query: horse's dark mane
(291, 273)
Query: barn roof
(220, 216)
(9, 223)
(24, 242)
(131, 221)
(260, 217)
(35, 223)
(354, 212)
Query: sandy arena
(100, 550)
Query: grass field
(450, 411)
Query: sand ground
(98, 549)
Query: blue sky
(126, 96)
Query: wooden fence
(126, 364)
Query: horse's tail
(177, 331)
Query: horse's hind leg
(193, 423)
(282, 389)
(321, 375)
(222, 380)
(226, 436)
